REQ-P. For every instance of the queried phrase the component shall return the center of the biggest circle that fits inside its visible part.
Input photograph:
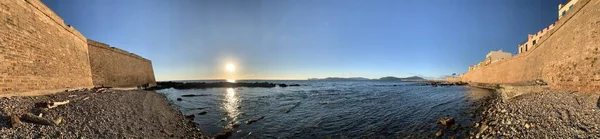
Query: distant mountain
(412, 78)
(341, 79)
(388, 78)
(392, 78)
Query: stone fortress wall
(39, 53)
(118, 68)
(567, 57)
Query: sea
(332, 109)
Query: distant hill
(341, 79)
(388, 78)
(412, 78)
(392, 78)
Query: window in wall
(525, 47)
(533, 42)
(571, 6)
(564, 12)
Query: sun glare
(230, 67)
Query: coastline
(531, 110)
(101, 113)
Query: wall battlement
(567, 57)
(41, 7)
(114, 49)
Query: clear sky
(299, 39)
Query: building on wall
(495, 56)
(533, 39)
(564, 8)
(565, 58)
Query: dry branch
(35, 119)
(41, 120)
(56, 104)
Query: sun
(230, 67)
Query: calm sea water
(338, 109)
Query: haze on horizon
(300, 39)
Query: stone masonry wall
(113, 67)
(567, 57)
(38, 51)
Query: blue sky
(299, 39)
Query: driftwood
(38, 120)
(56, 104)
(51, 105)
(41, 120)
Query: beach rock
(224, 134)
(179, 99)
(283, 85)
(235, 124)
(15, 121)
(598, 102)
(254, 120)
(446, 122)
(439, 133)
(191, 116)
(454, 127)
(202, 113)
(294, 85)
(193, 95)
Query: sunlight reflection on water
(231, 103)
(318, 109)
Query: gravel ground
(98, 114)
(546, 114)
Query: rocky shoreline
(538, 113)
(203, 85)
(97, 113)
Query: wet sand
(98, 114)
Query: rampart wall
(40, 54)
(38, 51)
(567, 57)
(113, 67)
